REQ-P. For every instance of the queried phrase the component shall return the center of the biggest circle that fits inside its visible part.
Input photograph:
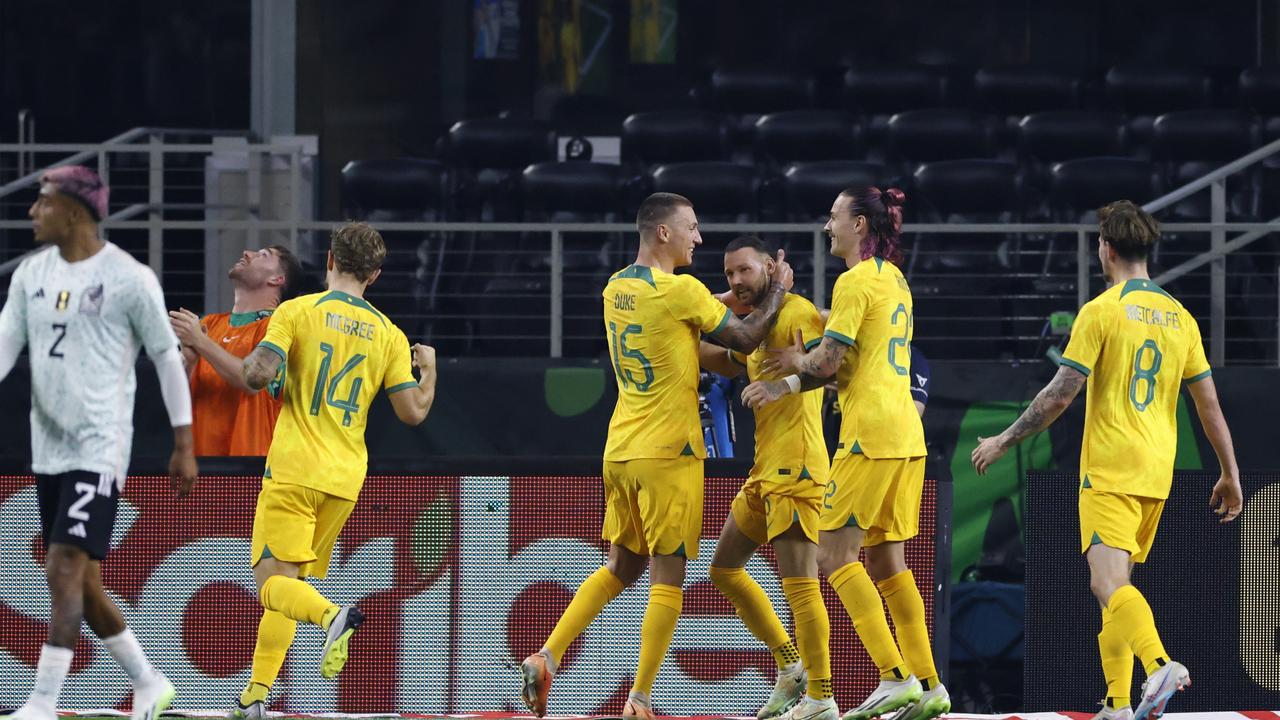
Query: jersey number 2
(1145, 375)
(900, 343)
(61, 329)
(327, 387)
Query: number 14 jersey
(338, 350)
(1137, 345)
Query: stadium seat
(803, 135)
(417, 264)
(967, 191)
(1192, 143)
(403, 188)
(759, 91)
(1260, 89)
(490, 153)
(1143, 92)
(809, 188)
(889, 90)
(588, 115)
(578, 192)
(1053, 136)
(667, 136)
(1079, 187)
(1017, 91)
(919, 136)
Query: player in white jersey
(83, 307)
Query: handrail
(1221, 173)
(85, 151)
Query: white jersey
(83, 324)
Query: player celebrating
(1134, 345)
(83, 307)
(654, 453)
(781, 499)
(877, 474)
(335, 346)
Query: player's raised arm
(746, 334)
(1227, 498)
(1055, 398)
(808, 371)
(719, 360)
(412, 401)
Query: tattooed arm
(1048, 405)
(260, 367)
(815, 369)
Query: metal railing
(983, 290)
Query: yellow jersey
(871, 313)
(788, 430)
(1137, 345)
(653, 321)
(337, 350)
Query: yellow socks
(275, 635)
(862, 602)
(254, 692)
(593, 594)
(295, 599)
(906, 607)
(656, 632)
(1117, 662)
(1133, 619)
(753, 606)
(813, 630)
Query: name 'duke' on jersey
(623, 301)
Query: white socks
(50, 672)
(128, 653)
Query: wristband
(793, 383)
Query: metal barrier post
(155, 198)
(1082, 268)
(104, 173)
(557, 294)
(295, 181)
(1218, 273)
(255, 159)
(819, 269)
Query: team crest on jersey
(64, 296)
(91, 301)
(39, 294)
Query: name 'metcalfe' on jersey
(338, 351)
(1137, 344)
(871, 313)
(653, 321)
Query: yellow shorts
(763, 513)
(880, 496)
(653, 506)
(299, 525)
(1125, 522)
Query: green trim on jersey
(275, 349)
(1198, 378)
(1075, 365)
(339, 296)
(245, 318)
(839, 337)
(401, 386)
(1142, 284)
(637, 272)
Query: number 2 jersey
(1137, 345)
(83, 324)
(338, 352)
(653, 321)
(871, 313)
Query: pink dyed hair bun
(82, 184)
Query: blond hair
(358, 250)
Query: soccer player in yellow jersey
(653, 457)
(781, 499)
(1134, 346)
(335, 351)
(877, 475)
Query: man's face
(256, 268)
(683, 235)
(52, 215)
(844, 230)
(747, 271)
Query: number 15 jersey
(1137, 345)
(653, 322)
(338, 350)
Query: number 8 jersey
(653, 321)
(1137, 345)
(871, 313)
(338, 350)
